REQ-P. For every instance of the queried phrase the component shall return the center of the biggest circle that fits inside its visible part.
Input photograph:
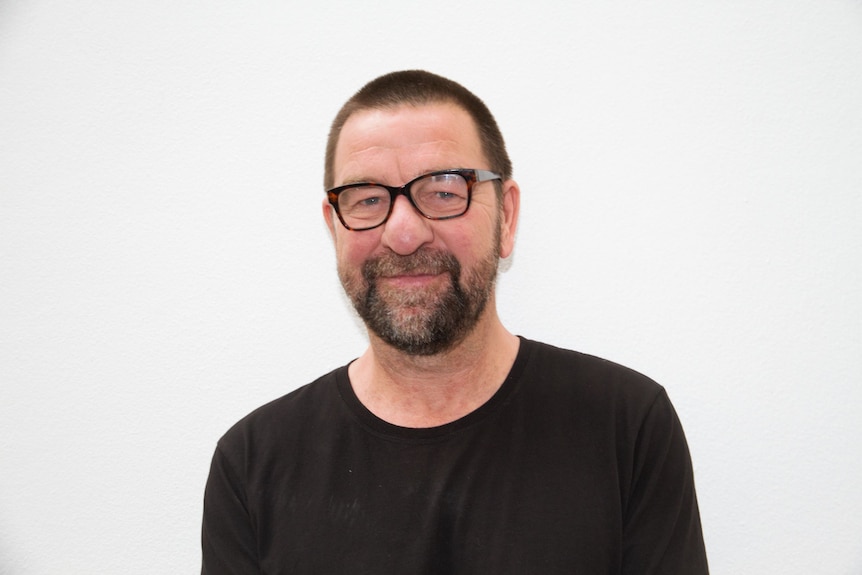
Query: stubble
(421, 321)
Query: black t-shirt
(575, 465)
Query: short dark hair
(417, 88)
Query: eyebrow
(351, 181)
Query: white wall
(692, 192)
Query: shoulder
(569, 368)
(287, 418)
(581, 387)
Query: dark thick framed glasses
(440, 195)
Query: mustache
(424, 261)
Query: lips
(422, 265)
(409, 282)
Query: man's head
(417, 88)
(421, 284)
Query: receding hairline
(420, 88)
(395, 108)
(353, 108)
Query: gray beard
(417, 322)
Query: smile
(412, 279)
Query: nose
(406, 230)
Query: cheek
(471, 245)
(353, 248)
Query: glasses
(440, 195)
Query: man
(450, 445)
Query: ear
(509, 220)
(329, 217)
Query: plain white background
(692, 197)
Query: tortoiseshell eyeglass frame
(471, 176)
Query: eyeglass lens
(436, 196)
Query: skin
(394, 146)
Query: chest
(498, 500)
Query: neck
(427, 391)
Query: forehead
(405, 141)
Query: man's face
(419, 285)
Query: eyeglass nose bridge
(394, 192)
(471, 177)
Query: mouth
(412, 279)
(418, 269)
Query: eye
(443, 195)
(363, 199)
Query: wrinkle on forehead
(394, 146)
(364, 165)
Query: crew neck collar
(388, 430)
